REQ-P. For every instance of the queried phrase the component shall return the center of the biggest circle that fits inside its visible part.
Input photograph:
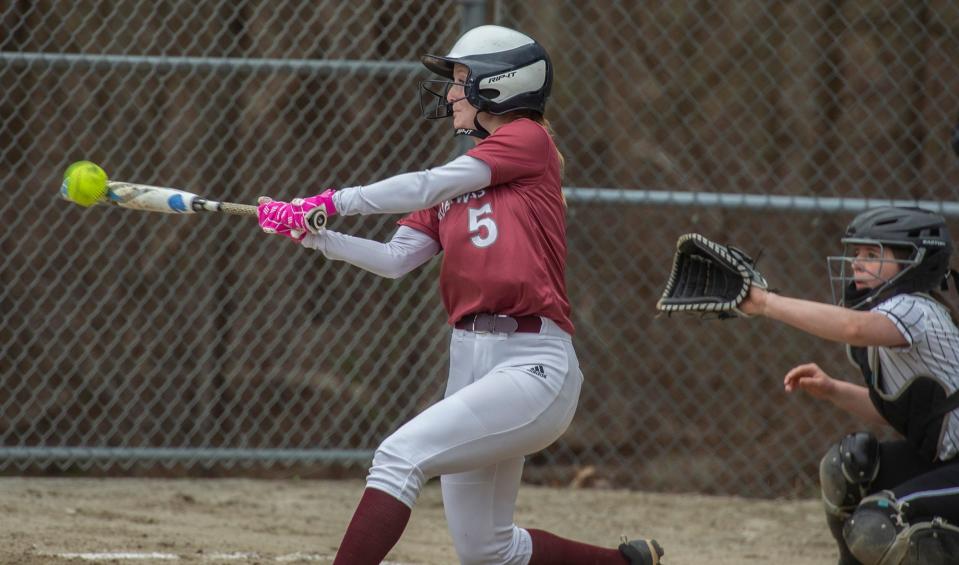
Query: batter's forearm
(407, 250)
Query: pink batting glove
(267, 212)
(290, 219)
(293, 215)
(302, 207)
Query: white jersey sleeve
(410, 192)
(408, 249)
(908, 313)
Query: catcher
(889, 502)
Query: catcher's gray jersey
(933, 351)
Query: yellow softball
(85, 183)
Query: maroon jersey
(505, 245)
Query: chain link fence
(135, 342)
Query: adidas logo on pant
(537, 371)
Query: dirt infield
(259, 521)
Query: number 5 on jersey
(482, 217)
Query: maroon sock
(376, 526)
(549, 549)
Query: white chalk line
(225, 556)
(94, 556)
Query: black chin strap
(479, 132)
(856, 299)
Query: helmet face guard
(433, 103)
(843, 278)
(434, 106)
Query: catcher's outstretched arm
(827, 321)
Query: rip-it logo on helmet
(508, 71)
(501, 77)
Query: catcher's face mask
(866, 269)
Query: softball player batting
(498, 215)
(891, 502)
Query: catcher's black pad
(709, 278)
(641, 552)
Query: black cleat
(642, 552)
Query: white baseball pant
(508, 395)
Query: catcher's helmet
(508, 71)
(922, 245)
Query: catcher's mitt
(709, 278)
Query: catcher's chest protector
(917, 411)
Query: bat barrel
(151, 198)
(169, 200)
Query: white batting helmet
(508, 71)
